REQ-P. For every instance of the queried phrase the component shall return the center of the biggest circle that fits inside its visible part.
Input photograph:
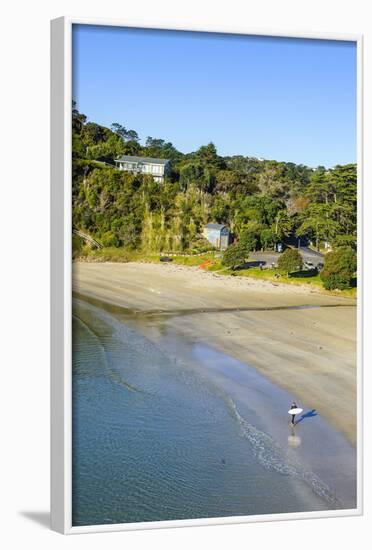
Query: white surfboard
(295, 411)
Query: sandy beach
(308, 351)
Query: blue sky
(276, 98)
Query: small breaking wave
(272, 457)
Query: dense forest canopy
(264, 201)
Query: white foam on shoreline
(272, 457)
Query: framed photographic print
(206, 276)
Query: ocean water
(154, 439)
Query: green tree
(207, 155)
(331, 213)
(130, 147)
(227, 180)
(272, 182)
(290, 260)
(318, 224)
(234, 255)
(319, 189)
(159, 148)
(268, 238)
(109, 239)
(248, 239)
(344, 208)
(221, 209)
(339, 268)
(93, 134)
(78, 119)
(195, 174)
(124, 133)
(282, 225)
(255, 208)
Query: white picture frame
(61, 284)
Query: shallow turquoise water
(153, 440)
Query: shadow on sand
(309, 414)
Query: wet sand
(310, 352)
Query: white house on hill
(157, 168)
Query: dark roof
(215, 225)
(127, 158)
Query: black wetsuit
(294, 406)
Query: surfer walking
(293, 406)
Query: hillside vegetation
(263, 202)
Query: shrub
(339, 269)
(268, 238)
(77, 246)
(248, 241)
(290, 260)
(234, 255)
(111, 254)
(109, 239)
(348, 241)
(199, 246)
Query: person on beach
(293, 406)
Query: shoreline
(308, 352)
(313, 451)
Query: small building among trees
(157, 168)
(219, 235)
